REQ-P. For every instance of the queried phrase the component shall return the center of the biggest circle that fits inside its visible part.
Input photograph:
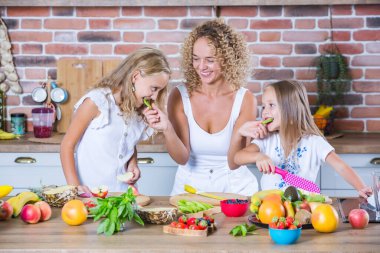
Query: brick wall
(283, 41)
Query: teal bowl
(285, 236)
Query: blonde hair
(296, 118)
(231, 52)
(148, 61)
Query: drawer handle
(375, 161)
(25, 160)
(145, 160)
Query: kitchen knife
(192, 190)
(297, 181)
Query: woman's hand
(253, 129)
(156, 119)
(365, 192)
(265, 164)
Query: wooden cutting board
(194, 197)
(77, 77)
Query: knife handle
(281, 172)
(210, 195)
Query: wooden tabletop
(55, 236)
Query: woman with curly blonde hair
(205, 111)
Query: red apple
(100, 192)
(45, 210)
(6, 210)
(30, 214)
(358, 218)
(134, 189)
(302, 205)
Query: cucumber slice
(147, 103)
(268, 120)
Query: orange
(270, 209)
(325, 218)
(74, 212)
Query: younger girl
(101, 140)
(291, 141)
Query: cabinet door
(335, 186)
(157, 174)
(30, 170)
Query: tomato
(181, 225)
(74, 212)
(193, 227)
(325, 218)
(173, 224)
(270, 209)
(182, 219)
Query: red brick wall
(283, 41)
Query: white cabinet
(334, 185)
(27, 170)
(30, 170)
(157, 173)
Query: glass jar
(18, 123)
(43, 119)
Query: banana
(7, 136)
(289, 208)
(262, 194)
(18, 202)
(254, 208)
(5, 190)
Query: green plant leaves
(115, 211)
(243, 230)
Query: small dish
(234, 207)
(285, 236)
(253, 219)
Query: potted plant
(333, 81)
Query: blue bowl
(285, 236)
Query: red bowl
(234, 207)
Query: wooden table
(55, 236)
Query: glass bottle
(2, 110)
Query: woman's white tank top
(207, 168)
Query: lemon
(5, 190)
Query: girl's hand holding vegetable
(253, 129)
(156, 119)
(265, 164)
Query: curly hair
(148, 61)
(231, 52)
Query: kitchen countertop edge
(349, 143)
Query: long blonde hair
(148, 61)
(231, 52)
(296, 118)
